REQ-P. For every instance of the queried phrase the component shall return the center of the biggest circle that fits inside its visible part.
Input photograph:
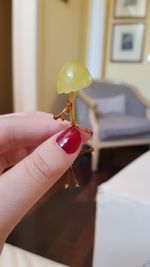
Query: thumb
(25, 183)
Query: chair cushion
(114, 126)
(115, 104)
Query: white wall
(65, 31)
(136, 74)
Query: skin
(28, 143)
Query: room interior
(40, 38)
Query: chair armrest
(95, 126)
(92, 116)
(148, 113)
(87, 100)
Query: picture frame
(127, 42)
(130, 8)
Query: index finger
(25, 129)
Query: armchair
(117, 114)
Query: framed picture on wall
(130, 8)
(127, 42)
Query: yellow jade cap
(72, 77)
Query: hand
(40, 150)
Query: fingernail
(69, 140)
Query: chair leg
(95, 159)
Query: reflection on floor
(61, 225)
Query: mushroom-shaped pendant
(72, 77)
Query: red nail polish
(69, 140)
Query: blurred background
(39, 36)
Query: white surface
(132, 183)
(122, 236)
(16, 257)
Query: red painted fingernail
(69, 140)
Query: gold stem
(72, 111)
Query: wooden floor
(61, 225)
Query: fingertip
(86, 133)
(69, 140)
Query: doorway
(6, 100)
